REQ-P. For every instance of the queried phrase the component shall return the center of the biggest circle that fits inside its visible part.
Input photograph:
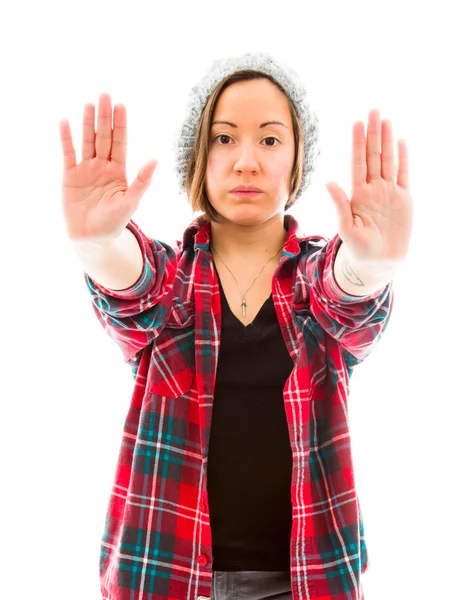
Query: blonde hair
(197, 164)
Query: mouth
(246, 188)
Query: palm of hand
(376, 223)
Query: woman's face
(249, 154)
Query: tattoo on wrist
(350, 275)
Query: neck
(248, 244)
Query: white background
(65, 390)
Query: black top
(250, 460)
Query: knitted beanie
(263, 62)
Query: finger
(139, 186)
(388, 159)
(359, 156)
(343, 208)
(403, 176)
(119, 136)
(374, 145)
(104, 132)
(88, 138)
(68, 150)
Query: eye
(272, 138)
(223, 135)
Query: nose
(247, 159)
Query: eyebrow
(262, 124)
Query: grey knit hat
(221, 68)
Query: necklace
(244, 303)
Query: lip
(246, 194)
(246, 188)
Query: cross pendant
(243, 305)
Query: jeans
(251, 585)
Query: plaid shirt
(157, 541)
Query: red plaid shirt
(157, 542)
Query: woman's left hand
(376, 224)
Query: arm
(356, 322)
(116, 265)
(360, 279)
(134, 316)
(375, 225)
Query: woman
(235, 476)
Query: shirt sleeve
(357, 322)
(134, 316)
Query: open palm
(97, 202)
(376, 223)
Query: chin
(247, 217)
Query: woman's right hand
(96, 200)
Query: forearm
(115, 265)
(358, 279)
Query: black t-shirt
(250, 459)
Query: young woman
(235, 475)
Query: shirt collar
(199, 231)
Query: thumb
(143, 180)
(343, 206)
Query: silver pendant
(243, 306)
